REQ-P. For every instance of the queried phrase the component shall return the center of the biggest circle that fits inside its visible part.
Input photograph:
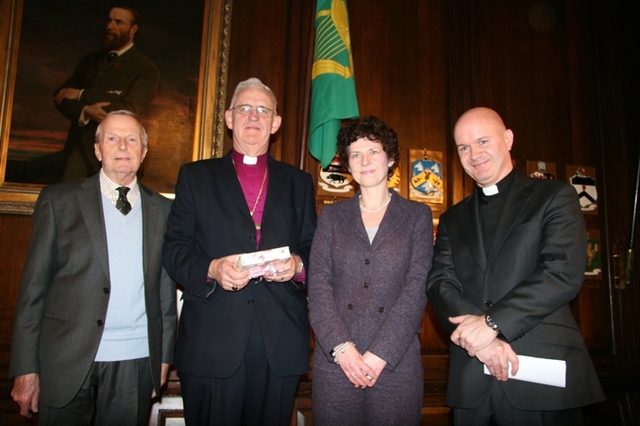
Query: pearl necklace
(376, 209)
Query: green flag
(333, 88)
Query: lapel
(517, 198)
(392, 220)
(469, 221)
(354, 216)
(89, 198)
(352, 220)
(150, 212)
(227, 177)
(275, 186)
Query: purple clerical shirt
(252, 177)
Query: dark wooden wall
(558, 71)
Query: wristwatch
(491, 324)
(300, 268)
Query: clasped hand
(480, 341)
(472, 333)
(361, 370)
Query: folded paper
(552, 372)
(260, 263)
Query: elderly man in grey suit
(96, 315)
(508, 260)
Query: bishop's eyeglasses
(262, 112)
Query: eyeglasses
(263, 112)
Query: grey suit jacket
(64, 291)
(525, 283)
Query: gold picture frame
(208, 126)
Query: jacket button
(381, 309)
(100, 323)
(366, 285)
(252, 237)
(349, 306)
(106, 290)
(250, 301)
(488, 303)
(367, 261)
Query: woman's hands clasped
(361, 370)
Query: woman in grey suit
(367, 291)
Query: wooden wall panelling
(617, 36)
(462, 88)
(257, 49)
(526, 77)
(593, 315)
(401, 66)
(297, 87)
(270, 40)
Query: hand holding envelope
(544, 371)
(261, 263)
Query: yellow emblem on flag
(333, 34)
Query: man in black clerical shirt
(507, 262)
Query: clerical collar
(499, 187)
(490, 190)
(248, 160)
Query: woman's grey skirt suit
(372, 294)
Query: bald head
(484, 144)
(481, 114)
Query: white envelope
(552, 372)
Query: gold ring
(234, 288)
(353, 374)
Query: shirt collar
(121, 51)
(109, 188)
(499, 187)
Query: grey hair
(254, 82)
(145, 137)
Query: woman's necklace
(255, 204)
(376, 209)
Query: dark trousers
(497, 411)
(253, 396)
(113, 394)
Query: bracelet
(340, 350)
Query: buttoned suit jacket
(372, 294)
(128, 82)
(525, 282)
(210, 219)
(64, 292)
